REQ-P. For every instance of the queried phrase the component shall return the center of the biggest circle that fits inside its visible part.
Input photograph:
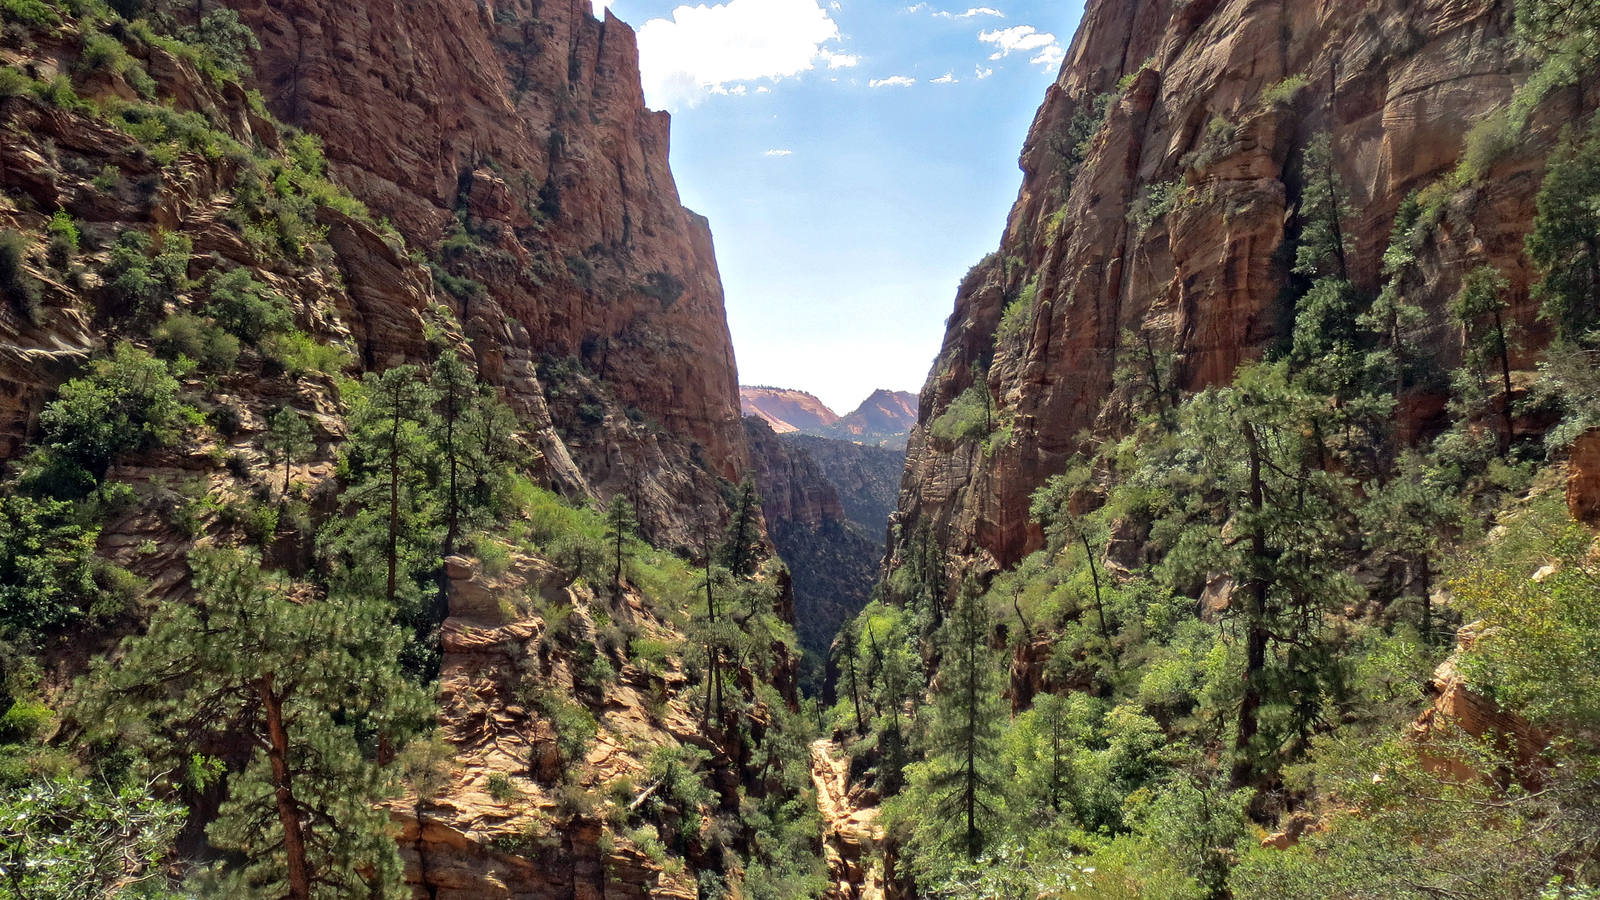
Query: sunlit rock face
(513, 139)
(1197, 98)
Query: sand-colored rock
(852, 837)
(1583, 478)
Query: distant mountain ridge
(884, 419)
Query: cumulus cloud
(837, 60)
(777, 152)
(892, 81)
(982, 72)
(971, 13)
(1024, 39)
(946, 78)
(717, 49)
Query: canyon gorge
(382, 513)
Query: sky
(855, 158)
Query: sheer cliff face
(520, 128)
(1196, 103)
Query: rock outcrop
(1164, 231)
(508, 817)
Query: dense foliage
(1214, 664)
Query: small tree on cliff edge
(619, 528)
(742, 548)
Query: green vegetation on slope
(1230, 627)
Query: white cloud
(972, 12)
(715, 49)
(1050, 57)
(981, 72)
(892, 81)
(838, 60)
(946, 78)
(1024, 39)
(775, 152)
(916, 7)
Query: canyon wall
(510, 140)
(1160, 198)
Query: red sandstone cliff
(1189, 84)
(517, 130)
(787, 411)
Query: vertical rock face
(512, 138)
(1212, 104)
(833, 559)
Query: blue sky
(854, 158)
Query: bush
(36, 13)
(14, 83)
(246, 308)
(64, 238)
(299, 354)
(201, 340)
(1284, 92)
(147, 272)
(19, 287)
(124, 403)
(500, 788)
(967, 418)
(1018, 314)
(1154, 202)
(46, 567)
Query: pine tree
(389, 540)
(288, 438)
(1392, 318)
(1565, 241)
(1324, 208)
(619, 530)
(1480, 308)
(246, 665)
(953, 798)
(1252, 497)
(456, 392)
(743, 544)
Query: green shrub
(46, 567)
(197, 339)
(1154, 202)
(147, 272)
(500, 788)
(64, 239)
(246, 308)
(36, 13)
(59, 92)
(967, 418)
(126, 402)
(1284, 92)
(574, 726)
(225, 41)
(25, 721)
(107, 179)
(299, 354)
(1018, 314)
(14, 83)
(19, 287)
